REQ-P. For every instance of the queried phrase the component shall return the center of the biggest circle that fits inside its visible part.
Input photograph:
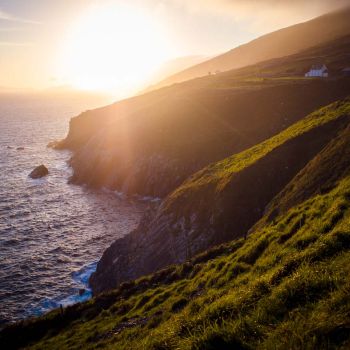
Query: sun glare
(114, 49)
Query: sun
(114, 49)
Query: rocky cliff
(221, 202)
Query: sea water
(51, 233)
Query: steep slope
(287, 286)
(173, 132)
(326, 168)
(280, 43)
(219, 203)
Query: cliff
(221, 202)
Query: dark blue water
(51, 233)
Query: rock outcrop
(39, 171)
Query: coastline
(52, 232)
(82, 290)
(80, 278)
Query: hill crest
(280, 43)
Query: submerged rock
(39, 171)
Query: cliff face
(155, 148)
(171, 133)
(221, 202)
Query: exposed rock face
(202, 217)
(157, 242)
(39, 171)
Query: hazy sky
(35, 35)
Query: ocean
(51, 233)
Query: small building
(346, 72)
(317, 70)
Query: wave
(80, 293)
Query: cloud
(9, 17)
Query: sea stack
(39, 171)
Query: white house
(318, 70)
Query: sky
(110, 44)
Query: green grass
(287, 286)
(217, 175)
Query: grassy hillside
(287, 286)
(283, 42)
(333, 53)
(329, 165)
